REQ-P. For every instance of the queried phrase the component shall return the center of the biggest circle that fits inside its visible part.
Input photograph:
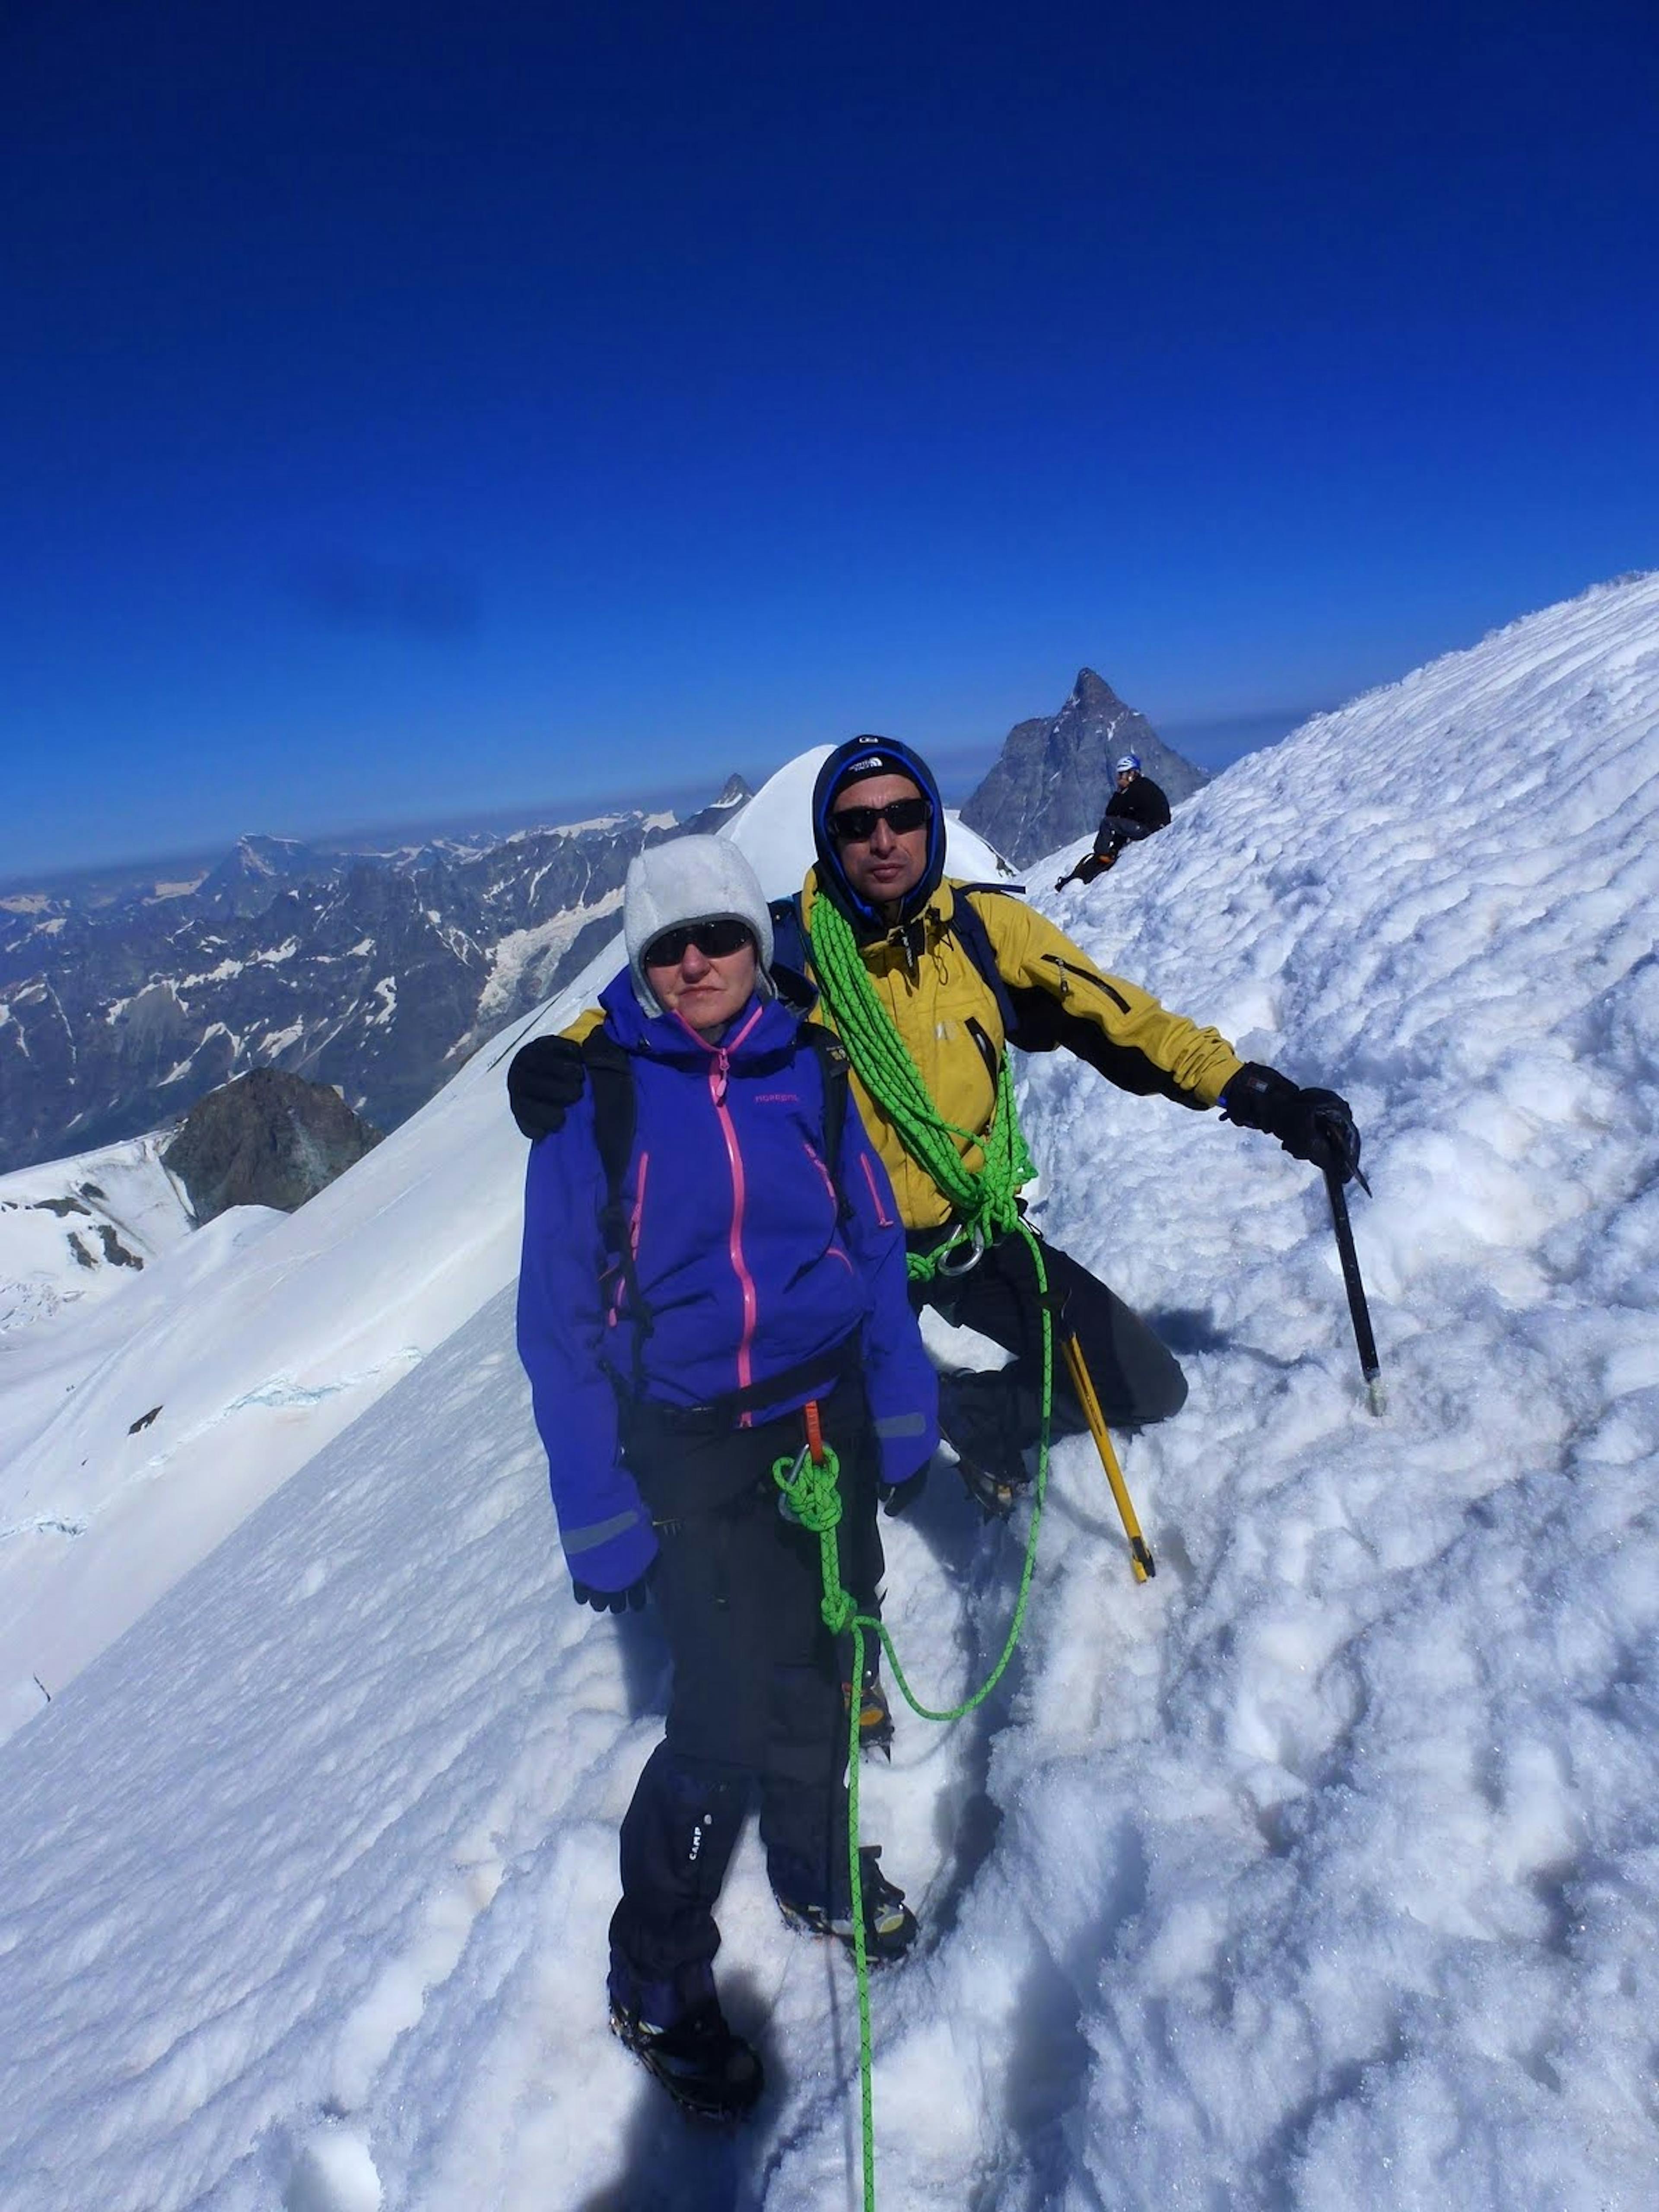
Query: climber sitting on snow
(1134, 811)
(927, 981)
(737, 1291)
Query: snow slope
(1319, 1873)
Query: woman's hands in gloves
(631, 1600)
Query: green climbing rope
(812, 1492)
(984, 1208)
(983, 1199)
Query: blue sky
(412, 411)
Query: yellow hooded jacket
(949, 1019)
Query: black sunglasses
(713, 939)
(856, 825)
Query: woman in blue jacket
(667, 1380)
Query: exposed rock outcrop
(268, 1138)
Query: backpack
(611, 1076)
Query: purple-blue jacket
(740, 1253)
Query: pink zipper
(884, 1219)
(823, 1172)
(634, 1223)
(718, 1066)
(837, 1250)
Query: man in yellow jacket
(927, 981)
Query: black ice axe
(1359, 1311)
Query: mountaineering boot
(994, 1492)
(709, 2073)
(875, 1714)
(890, 1926)
(978, 1415)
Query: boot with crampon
(890, 1926)
(708, 2071)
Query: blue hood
(868, 756)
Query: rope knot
(810, 1488)
(812, 1495)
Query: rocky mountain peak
(1049, 784)
(1093, 694)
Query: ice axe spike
(1359, 1312)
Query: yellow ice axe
(1139, 1558)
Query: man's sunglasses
(713, 939)
(856, 825)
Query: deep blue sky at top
(412, 410)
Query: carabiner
(973, 1241)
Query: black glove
(898, 1498)
(631, 1600)
(545, 1079)
(1311, 1124)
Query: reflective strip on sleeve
(902, 1425)
(584, 1540)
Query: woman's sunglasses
(856, 825)
(713, 939)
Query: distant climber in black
(1136, 809)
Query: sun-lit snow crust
(1318, 1873)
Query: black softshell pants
(1091, 866)
(757, 1706)
(991, 1416)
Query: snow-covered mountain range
(377, 973)
(1319, 1872)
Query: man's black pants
(991, 1416)
(756, 1702)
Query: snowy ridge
(1318, 1873)
(71, 1231)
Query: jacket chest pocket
(964, 1039)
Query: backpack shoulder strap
(967, 927)
(610, 1076)
(834, 1067)
(790, 947)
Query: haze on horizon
(418, 417)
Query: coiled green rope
(984, 1201)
